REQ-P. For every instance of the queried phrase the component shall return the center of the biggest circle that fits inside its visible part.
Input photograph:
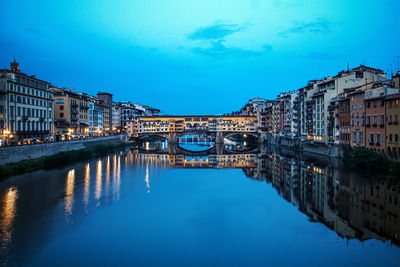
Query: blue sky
(197, 57)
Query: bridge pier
(219, 138)
(172, 139)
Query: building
(107, 100)
(357, 127)
(344, 120)
(71, 114)
(375, 117)
(26, 107)
(315, 103)
(96, 113)
(392, 110)
(116, 118)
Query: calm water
(171, 207)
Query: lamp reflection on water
(99, 171)
(147, 180)
(86, 186)
(8, 214)
(107, 176)
(69, 192)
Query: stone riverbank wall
(26, 152)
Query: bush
(369, 160)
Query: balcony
(381, 125)
(74, 118)
(390, 122)
(73, 106)
(378, 144)
(74, 111)
(374, 124)
(41, 119)
(24, 118)
(371, 143)
(395, 122)
(368, 125)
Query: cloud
(214, 32)
(319, 25)
(218, 50)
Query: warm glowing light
(69, 192)
(86, 192)
(8, 214)
(98, 182)
(147, 179)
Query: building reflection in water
(7, 215)
(346, 202)
(350, 205)
(69, 192)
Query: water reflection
(349, 204)
(86, 185)
(69, 192)
(7, 216)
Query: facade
(344, 120)
(357, 127)
(107, 100)
(315, 107)
(375, 117)
(26, 107)
(116, 118)
(96, 112)
(392, 108)
(128, 113)
(71, 114)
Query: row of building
(357, 107)
(33, 110)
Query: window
(354, 137)
(361, 138)
(368, 104)
(372, 138)
(59, 100)
(375, 119)
(61, 115)
(368, 120)
(61, 107)
(396, 138)
(390, 138)
(382, 119)
(382, 103)
(378, 138)
(1, 109)
(375, 104)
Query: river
(160, 205)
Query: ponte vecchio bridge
(174, 127)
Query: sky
(196, 57)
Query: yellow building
(71, 114)
(392, 126)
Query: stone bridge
(174, 127)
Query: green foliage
(369, 160)
(59, 160)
